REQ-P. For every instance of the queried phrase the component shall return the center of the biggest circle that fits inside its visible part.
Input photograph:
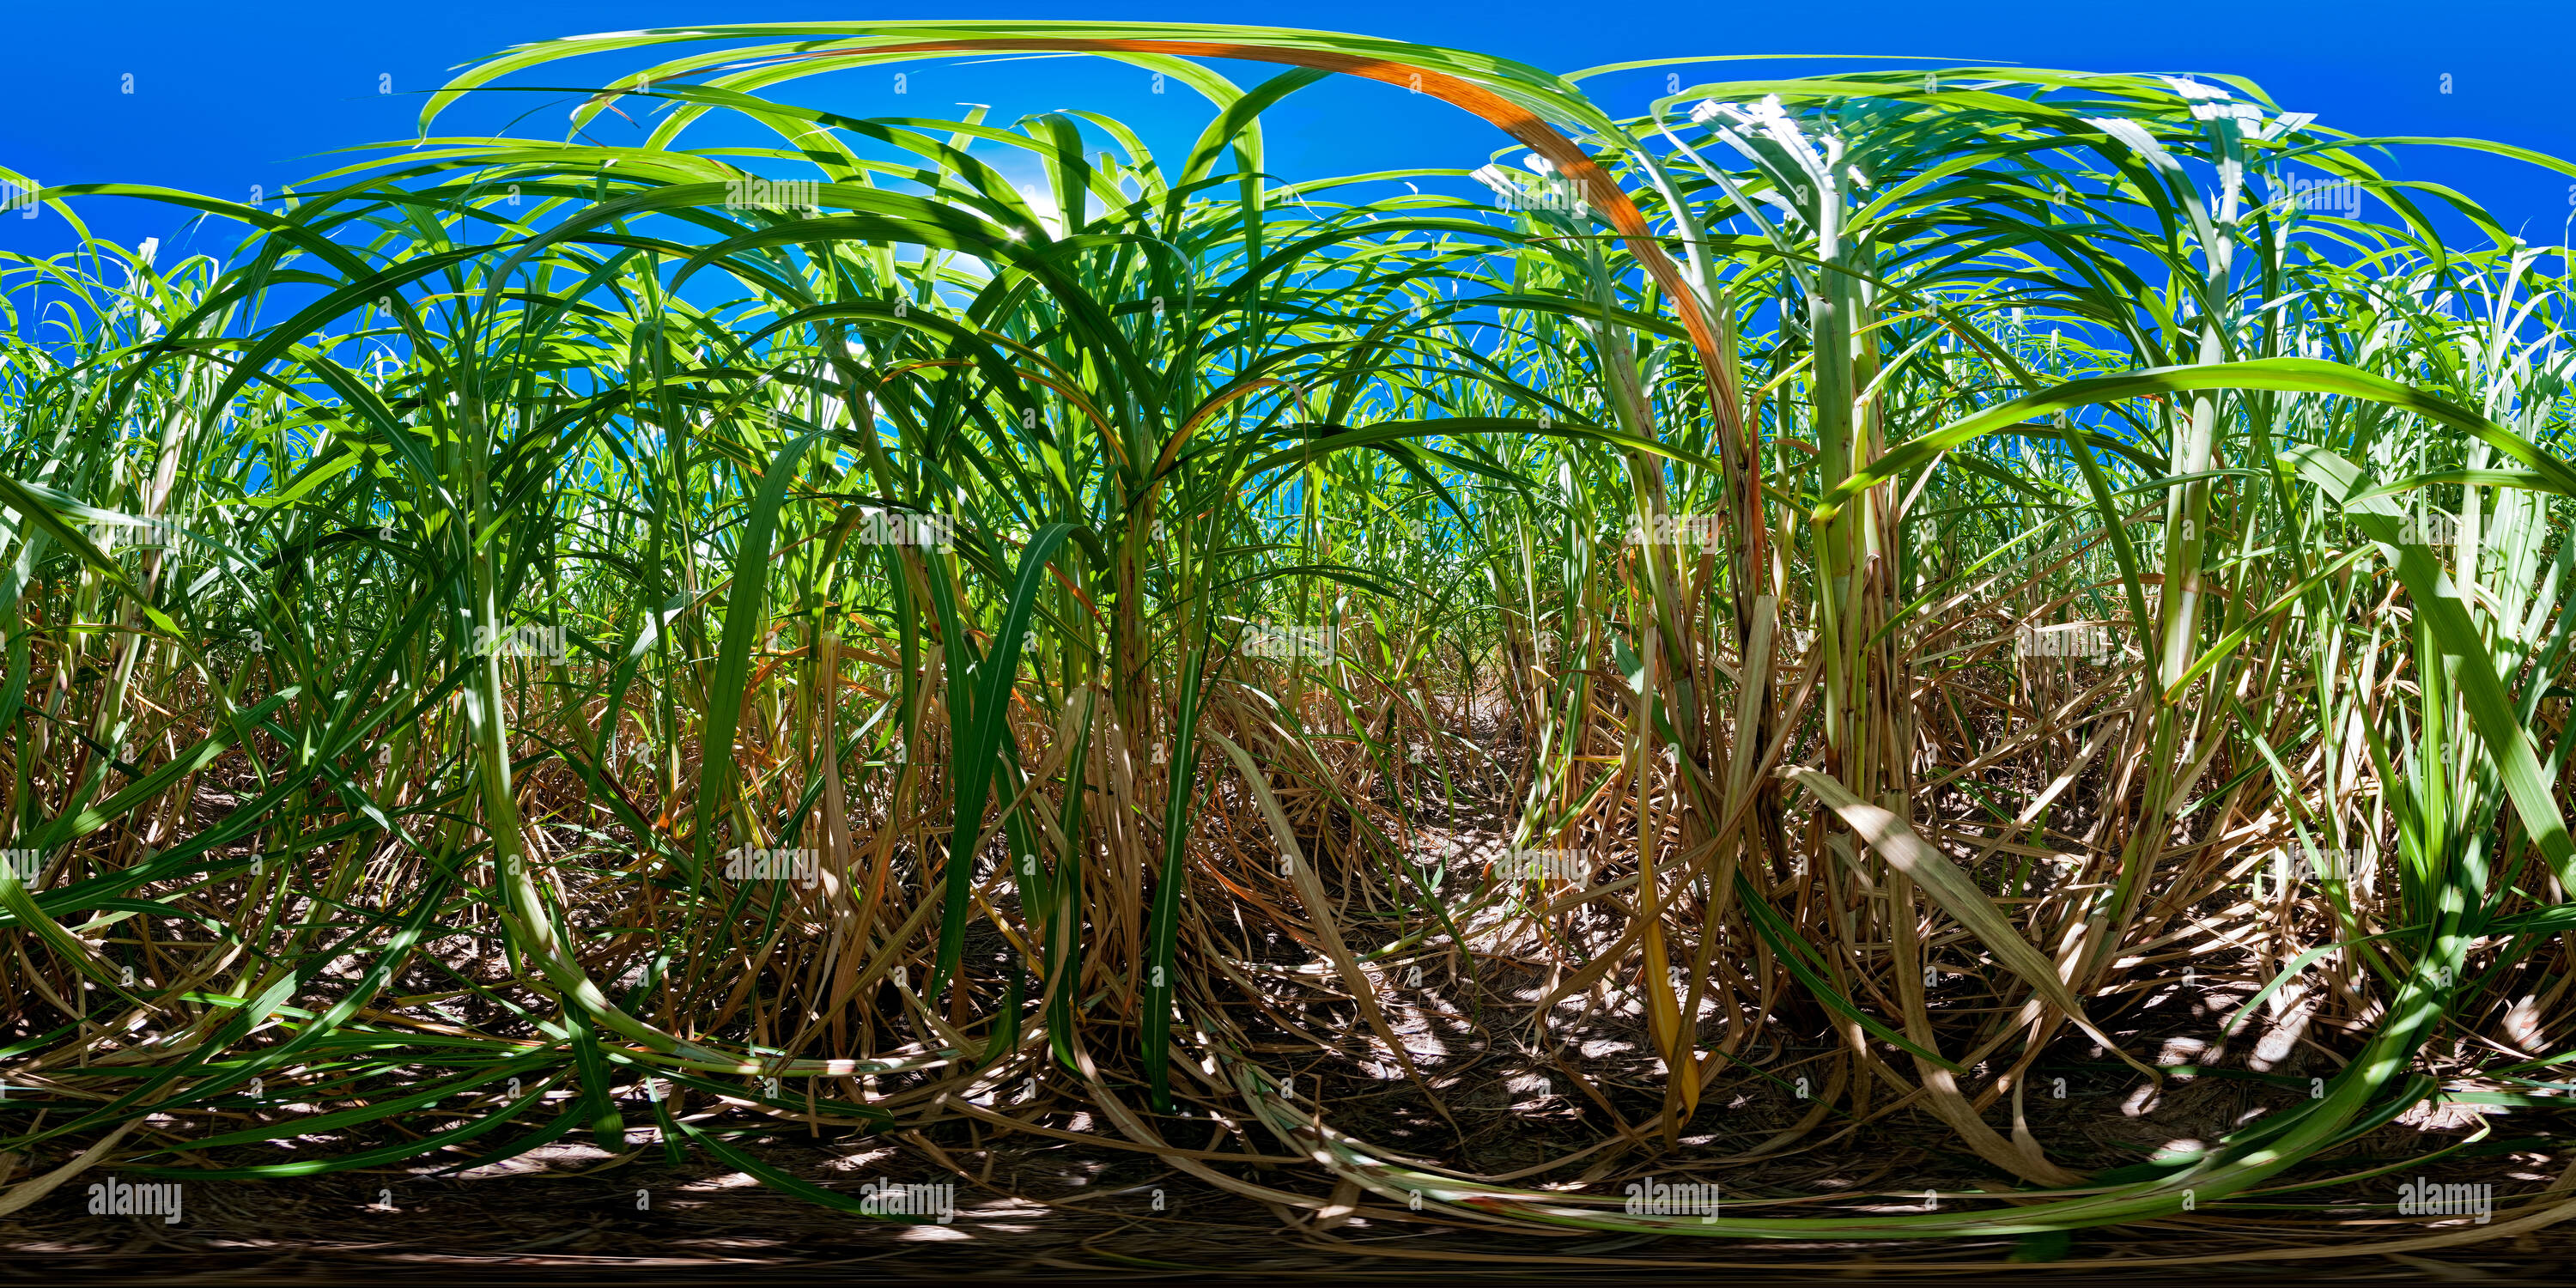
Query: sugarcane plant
(550, 633)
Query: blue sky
(230, 95)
